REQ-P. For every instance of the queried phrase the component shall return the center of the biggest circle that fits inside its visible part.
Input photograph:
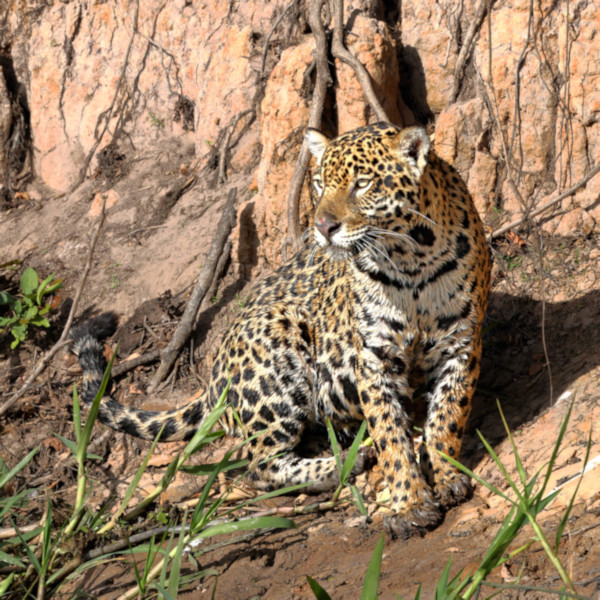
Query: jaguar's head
(367, 184)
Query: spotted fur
(397, 278)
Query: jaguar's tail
(176, 424)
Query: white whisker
(311, 258)
(416, 212)
(376, 249)
(401, 236)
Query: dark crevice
(17, 145)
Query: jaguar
(395, 279)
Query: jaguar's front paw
(417, 520)
(453, 489)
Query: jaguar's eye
(317, 184)
(362, 184)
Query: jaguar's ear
(317, 143)
(413, 146)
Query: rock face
(116, 79)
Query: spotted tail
(179, 424)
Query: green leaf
(40, 322)
(358, 501)
(317, 590)
(30, 313)
(21, 465)
(10, 560)
(7, 298)
(442, 585)
(353, 453)
(29, 281)
(175, 574)
(246, 525)
(164, 593)
(44, 289)
(208, 468)
(334, 446)
(71, 445)
(371, 583)
(5, 585)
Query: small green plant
(529, 498)
(156, 121)
(115, 281)
(41, 557)
(512, 262)
(28, 308)
(345, 468)
(240, 302)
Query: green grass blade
(207, 469)
(76, 416)
(476, 477)
(350, 461)
(10, 560)
(358, 501)
(86, 433)
(317, 590)
(565, 517)
(371, 582)
(518, 462)
(164, 593)
(334, 445)
(559, 439)
(132, 486)
(5, 584)
(30, 555)
(175, 574)
(18, 467)
(246, 525)
(442, 585)
(500, 465)
(70, 444)
(46, 544)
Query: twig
(466, 48)
(498, 232)
(169, 354)
(10, 532)
(263, 59)
(144, 359)
(323, 80)
(109, 112)
(340, 51)
(221, 177)
(219, 270)
(63, 341)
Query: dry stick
(144, 359)
(63, 338)
(263, 58)
(339, 51)
(498, 232)
(150, 357)
(314, 120)
(110, 109)
(221, 177)
(169, 354)
(466, 48)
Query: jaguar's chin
(336, 252)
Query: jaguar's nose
(327, 226)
